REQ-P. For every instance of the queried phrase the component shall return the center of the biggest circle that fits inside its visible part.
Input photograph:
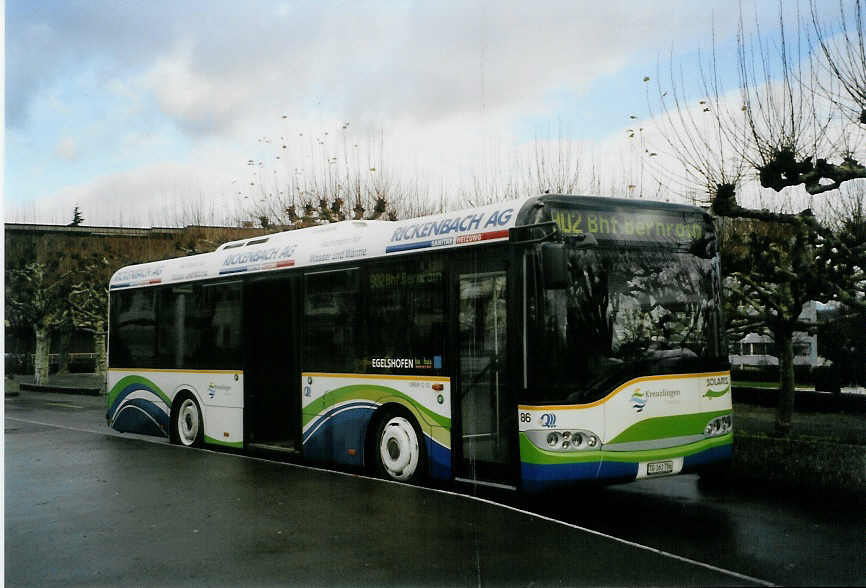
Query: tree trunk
(99, 338)
(785, 407)
(63, 351)
(40, 355)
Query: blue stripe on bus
(129, 389)
(235, 270)
(718, 454)
(321, 420)
(332, 439)
(535, 477)
(440, 459)
(141, 416)
(408, 246)
(617, 470)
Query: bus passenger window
(332, 322)
(406, 315)
(133, 329)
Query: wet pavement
(85, 506)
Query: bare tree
(845, 58)
(705, 138)
(306, 180)
(550, 165)
(87, 303)
(35, 297)
(776, 261)
(556, 166)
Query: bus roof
(356, 240)
(330, 243)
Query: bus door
(272, 401)
(485, 423)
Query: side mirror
(554, 263)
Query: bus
(527, 344)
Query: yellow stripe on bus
(316, 374)
(377, 377)
(629, 383)
(174, 371)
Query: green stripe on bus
(235, 444)
(373, 393)
(529, 453)
(669, 426)
(145, 383)
(441, 435)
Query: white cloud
(195, 101)
(441, 85)
(66, 149)
(423, 64)
(156, 195)
(282, 10)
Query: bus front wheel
(399, 450)
(187, 427)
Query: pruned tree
(703, 136)
(87, 301)
(302, 180)
(844, 56)
(842, 338)
(775, 260)
(553, 164)
(35, 297)
(555, 167)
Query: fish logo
(211, 390)
(638, 401)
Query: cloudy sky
(134, 110)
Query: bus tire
(187, 425)
(398, 447)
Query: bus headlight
(719, 426)
(564, 441)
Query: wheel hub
(399, 450)
(393, 449)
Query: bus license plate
(655, 468)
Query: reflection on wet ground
(784, 537)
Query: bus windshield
(625, 312)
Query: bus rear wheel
(399, 451)
(187, 427)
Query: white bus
(526, 344)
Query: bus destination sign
(619, 225)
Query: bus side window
(332, 322)
(219, 327)
(406, 313)
(133, 336)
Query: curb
(61, 389)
